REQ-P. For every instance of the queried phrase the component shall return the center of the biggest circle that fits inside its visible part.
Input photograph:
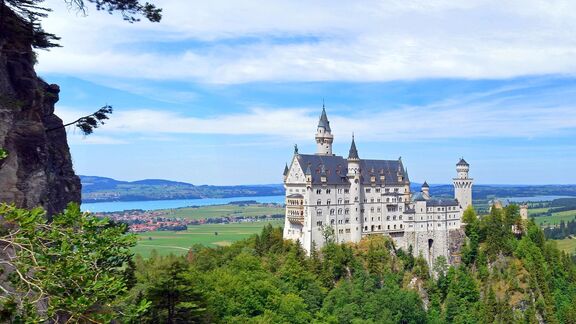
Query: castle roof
(353, 153)
(425, 185)
(286, 169)
(462, 162)
(336, 169)
(323, 122)
(441, 202)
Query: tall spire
(353, 153)
(286, 169)
(323, 122)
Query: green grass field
(166, 242)
(223, 211)
(555, 218)
(568, 245)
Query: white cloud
(494, 114)
(369, 40)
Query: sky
(220, 91)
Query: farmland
(166, 242)
(555, 218)
(568, 245)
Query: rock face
(38, 170)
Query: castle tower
(324, 136)
(463, 184)
(425, 191)
(356, 220)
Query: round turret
(462, 167)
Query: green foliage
(87, 124)
(73, 265)
(3, 154)
(25, 22)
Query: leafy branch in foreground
(3, 154)
(88, 123)
(71, 269)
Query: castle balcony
(295, 209)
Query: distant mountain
(501, 191)
(101, 189)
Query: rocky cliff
(38, 170)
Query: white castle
(329, 197)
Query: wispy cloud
(498, 113)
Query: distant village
(140, 221)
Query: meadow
(568, 245)
(178, 242)
(555, 218)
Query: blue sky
(219, 92)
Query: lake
(166, 204)
(533, 199)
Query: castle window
(400, 217)
(319, 202)
(400, 208)
(339, 190)
(347, 221)
(387, 218)
(347, 230)
(347, 211)
(346, 201)
(368, 190)
(328, 202)
(318, 191)
(378, 209)
(394, 217)
(400, 225)
(319, 223)
(356, 199)
(331, 222)
(377, 189)
(387, 199)
(346, 191)
(328, 191)
(371, 200)
(366, 228)
(319, 212)
(339, 221)
(378, 200)
(439, 224)
(386, 190)
(331, 211)
(395, 189)
(379, 227)
(365, 200)
(388, 226)
(372, 209)
(400, 199)
(340, 211)
(339, 201)
(378, 218)
(341, 231)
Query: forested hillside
(506, 276)
(503, 277)
(99, 189)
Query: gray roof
(323, 122)
(462, 162)
(441, 202)
(295, 196)
(418, 197)
(425, 185)
(286, 169)
(353, 153)
(336, 169)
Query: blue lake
(534, 198)
(165, 204)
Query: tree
(70, 269)
(29, 12)
(88, 123)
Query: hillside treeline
(509, 273)
(504, 277)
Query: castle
(329, 197)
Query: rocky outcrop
(38, 170)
